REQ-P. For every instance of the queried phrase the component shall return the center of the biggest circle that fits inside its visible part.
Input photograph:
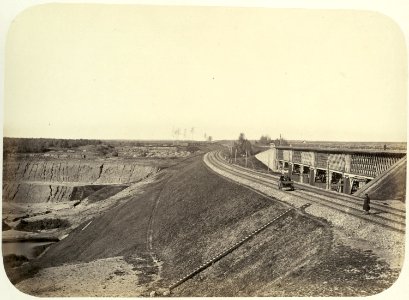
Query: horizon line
(200, 140)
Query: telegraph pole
(328, 183)
(231, 152)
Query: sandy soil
(103, 277)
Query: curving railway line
(381, 214)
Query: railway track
(226, 252)
(382, 215)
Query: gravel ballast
(384, 242)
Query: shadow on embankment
(200, 214)
(196, 215)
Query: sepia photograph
(192, 149)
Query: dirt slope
(390, 185)
(71, 170)
(188, 216)
(201, 214)
(39, 180)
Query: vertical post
(302, 173)
(246, 158)
(347, 185)
(328, 181)
(268, 162)
(235, 156)
(312, 175)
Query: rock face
(112, 172)
(35, 193)
(60, 180)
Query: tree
(243, 145)
(64, 144)
(242, 138)
(281, 142)
(247, 148)
(265, 140)
(209, 138)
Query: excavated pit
(42, 197)
(45, 181)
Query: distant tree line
(105, 147)
(33, 145)
(266, 140)
(243, 146)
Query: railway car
(285, 182)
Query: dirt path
(149, 241)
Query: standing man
(366, 206)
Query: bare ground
(167, 227)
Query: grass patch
(21, 272)
(4, 226)
(42, 224)
(13, 260)
(105, 193)
(252, 163)
(82, 192)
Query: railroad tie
(211, 261)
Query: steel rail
(349, 198)
(381, 220)
(332, 203)
(225, 252)
(323, 197)
(315, 190)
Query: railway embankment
(201, 214)
(186, 216)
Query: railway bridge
(342, 170)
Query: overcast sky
(136, 72)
